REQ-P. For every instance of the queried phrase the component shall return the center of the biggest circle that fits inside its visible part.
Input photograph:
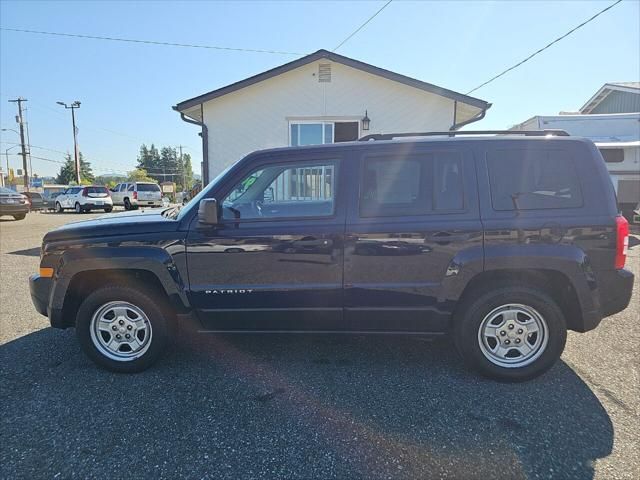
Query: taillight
(85, 192)
(622, 241)
(135, 195)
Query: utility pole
(76, 158)
(20, 121)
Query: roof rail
(526, 133)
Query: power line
(152, 42)
(363, 25)
(545, 47)
(38, 148)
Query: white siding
(257, 117)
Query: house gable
(621, 97)
(188, 107)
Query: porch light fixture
(366, 121)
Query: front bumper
(40, 289)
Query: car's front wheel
(20, 217)
(123, 329)
(58, 208)
(514, 333)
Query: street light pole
(20, 121)
(6, 152)
(76, 158)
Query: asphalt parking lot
(305, 406)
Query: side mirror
(208, 211)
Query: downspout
(204, 134)
(479, 116)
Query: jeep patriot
(503, 242)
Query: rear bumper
(94, 206)
(147, 203)
(615, 292)
(13, 209)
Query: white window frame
(312, 122)
(323, 121)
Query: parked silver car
(132, 195)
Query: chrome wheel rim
(78, 208)
(513, 335)
(120, 331)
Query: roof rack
(526, 133)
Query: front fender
(151, 259)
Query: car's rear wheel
(123, 329)
(78, 208)
(513, 333)
(58, 208)
(127, 204)
(20, 217)
(108, 209)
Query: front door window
(284, 191)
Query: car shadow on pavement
(291, 407)
(29, 252)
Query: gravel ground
(304, 406)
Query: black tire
(469, 320)
(58, 208)
(20, 217)
(127, 204)
(78, 208)
(108, 209)
(157, 311)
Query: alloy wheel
(513, 335)
(120, 331)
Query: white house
(611, 118)
(320, 98)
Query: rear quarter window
(533, 179)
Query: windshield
(179, 212)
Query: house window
(319, 133)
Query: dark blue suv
(503, 242)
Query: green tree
(149, 159)
(67, 174)
(110, 180)
(139, 175)
(188, 172)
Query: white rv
(617, 135)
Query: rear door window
(413, 185)
(533, 179)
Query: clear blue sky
(127, 90)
